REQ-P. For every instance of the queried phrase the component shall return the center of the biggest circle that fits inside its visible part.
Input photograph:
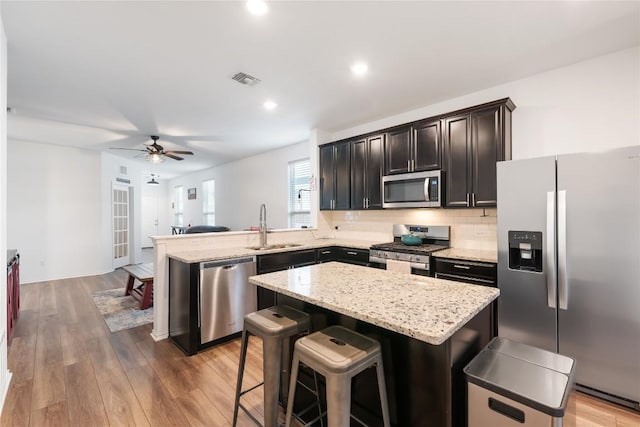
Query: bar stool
(275, 325)
(339, 354)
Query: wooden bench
(144, 291)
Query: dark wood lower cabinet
(425, 383)
(476, 273)
(284, 260)
(280, 261)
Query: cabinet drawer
(480, 273)
(283, 260)
(326, 254)
(352, 256)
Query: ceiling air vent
(246, 79)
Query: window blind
(208, 202)
(299, 194)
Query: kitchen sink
(277, 246)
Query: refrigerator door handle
(551, 249)
(563, 285)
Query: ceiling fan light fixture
(153, 181)
(155, 158)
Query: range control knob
(397, 256)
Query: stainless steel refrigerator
(569, 263)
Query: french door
(120, 225)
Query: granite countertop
(468, 254)
(201, 255)
(424, 308)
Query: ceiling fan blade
(179, 152)
(131, 149)
(171, 156)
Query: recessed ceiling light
(270, 105)
(359, 68)
(257, 7)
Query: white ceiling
(109, 74)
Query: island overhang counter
(428, 328)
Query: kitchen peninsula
(428, 328)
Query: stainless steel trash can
(513, 384)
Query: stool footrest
(246, 411)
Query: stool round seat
(338, 354)
(276, 326)
(279, 320)
(337, 350)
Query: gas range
(434, 238)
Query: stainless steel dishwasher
(225, 296)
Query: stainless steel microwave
(412, 190)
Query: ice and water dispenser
(525, 250)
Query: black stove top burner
(401, 247)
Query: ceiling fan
(155, 153)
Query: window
(299, 194)
(208, 202)
(178, 204)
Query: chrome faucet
(263, 225)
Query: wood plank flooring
(70, 370)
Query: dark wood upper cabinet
(426, 144)
(327, 177)
(474, 141)
(487, 150)
(457, 177)
(465, 144)
(366, 172)
(335, 176)
(413, 148)
(398, 151)
(375, 158)
(358, 168)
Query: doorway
(149, 214)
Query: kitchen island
(429, 329)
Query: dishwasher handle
(226, 263)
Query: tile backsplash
(470, 228)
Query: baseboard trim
(5, 389)
(159, 337)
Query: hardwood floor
(69, 369)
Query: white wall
(588, 106)
(54, 210)
(59, 209)
(241, 187)
(155, 207)
(5, 375)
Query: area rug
(119, 311)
